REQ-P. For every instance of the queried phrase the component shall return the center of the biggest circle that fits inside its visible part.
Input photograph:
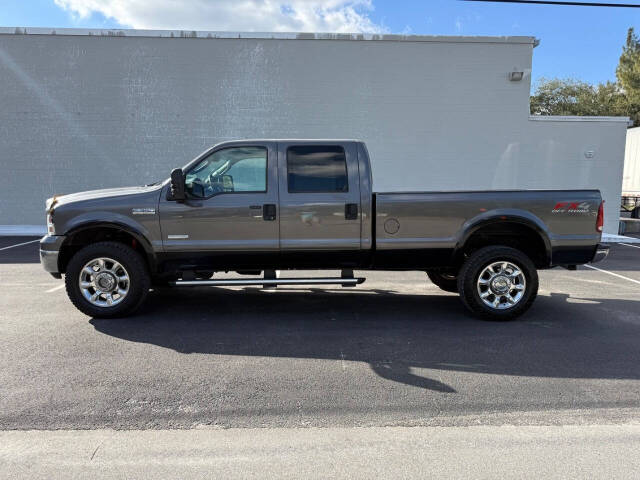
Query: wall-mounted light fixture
(516, 76)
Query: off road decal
(571, 207)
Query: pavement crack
(95, 451)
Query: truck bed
(410, 223)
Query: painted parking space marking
(55, 288)
(614, 274)
(19, 244)
(632, 246)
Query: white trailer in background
(631, 175)
(87, 109)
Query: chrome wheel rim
(104, 282)
(501, 285)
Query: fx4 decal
(571, 207)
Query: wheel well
(511, 234)
(81, 238)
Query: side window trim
(215, 194)
(319, 146)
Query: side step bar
(234, 282)
(271, 280)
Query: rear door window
(316, 169)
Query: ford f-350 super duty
(262, 206)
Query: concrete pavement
(607, 452)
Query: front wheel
(107, 279)
(498, 283)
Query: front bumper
(50, 246)
(601, 253)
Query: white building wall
(83, 112)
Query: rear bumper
(50, 251)
(601, 253)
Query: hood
(59, 200)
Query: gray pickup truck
(258, 207)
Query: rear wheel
(446, 281)
(107, 279)
(498, 283)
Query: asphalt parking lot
(395, 351)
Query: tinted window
(232, 170)
(316, 169)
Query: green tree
(628, 71)
(574, 97)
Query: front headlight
(50, 228)
(49, 204)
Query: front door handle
(269, 212)
(351, 211)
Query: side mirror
(176, 187)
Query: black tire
(133, 263)
(474, 267)
(446, 282)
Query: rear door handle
(351, 211)
(269, 212)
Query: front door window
(231, 170)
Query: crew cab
(259, 207)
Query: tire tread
(467, 282)
(443, 283)
(136, 268)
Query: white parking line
(627, 245)
(614, 274)
(19, 244)
(55, 288)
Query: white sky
(233, 15)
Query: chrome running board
(271, 280)
(235, 282)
